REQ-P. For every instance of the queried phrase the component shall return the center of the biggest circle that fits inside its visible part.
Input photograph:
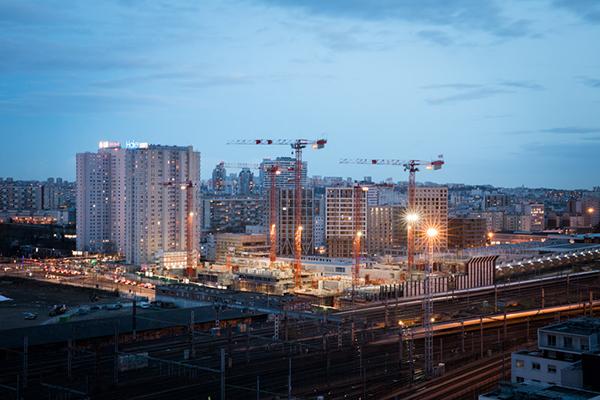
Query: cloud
(182, 79)
(459, 86)
(436, 37)
(522, 85)
(571, 130)
(50, 56)
(589, 82)
(587, 10)
(460, 14)
(467, 96)
(476, 91)
(20, 13)
(79, 102)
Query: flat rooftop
(576, 326)
(539, 392)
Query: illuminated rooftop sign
(106, 144)
(130, 144)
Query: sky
(507, 91)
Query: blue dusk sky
(508, 91)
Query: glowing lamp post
(431, 234)
(411, 220)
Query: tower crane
(191, 256)
(412, 166)
(357, 218)
(297, 145)
(272, 171)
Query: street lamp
(412, 218)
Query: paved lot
(38, 297)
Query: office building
(133, 200)
(240, 244)
(344, 218)
(386, 230)
(536, 213)
(432, 206)
(286, 227)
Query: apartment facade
(133, 200)
(387, 230)
(431, 203)
(286, 226)
(343, 218)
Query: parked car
(58, 309)
(30, 315)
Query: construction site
(269, 319)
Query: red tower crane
(297, 146)
(191, 257)
(412, 166)
(357, 218)
(272, 171)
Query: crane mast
(297, 145)
(412, 166)
(191, 256)
(272, 171)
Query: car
(57, 309)
(30, 315)
(116, 306)
(145, 304)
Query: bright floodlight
(359, 233)
(412, 217)
(590, 210)
(432, 232)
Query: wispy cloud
(522, 85)
(459, 86)
(467, 96)
(572, 130)
(436, 37)
(476, 91)
(587, 10)
(460, 14)
(589, 82)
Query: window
(535, 365)
(551, 340)
(520, 379)
(520, 363)
(551, 369)
(568, 342)
(584, 345)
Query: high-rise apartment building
(246, 182)
(340, 225)
(285, 179)
(219, 177)
(286, 227)
(133, 200)
(432, 205)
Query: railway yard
(251, 345)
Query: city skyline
(507, 91)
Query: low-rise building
(465, 233)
